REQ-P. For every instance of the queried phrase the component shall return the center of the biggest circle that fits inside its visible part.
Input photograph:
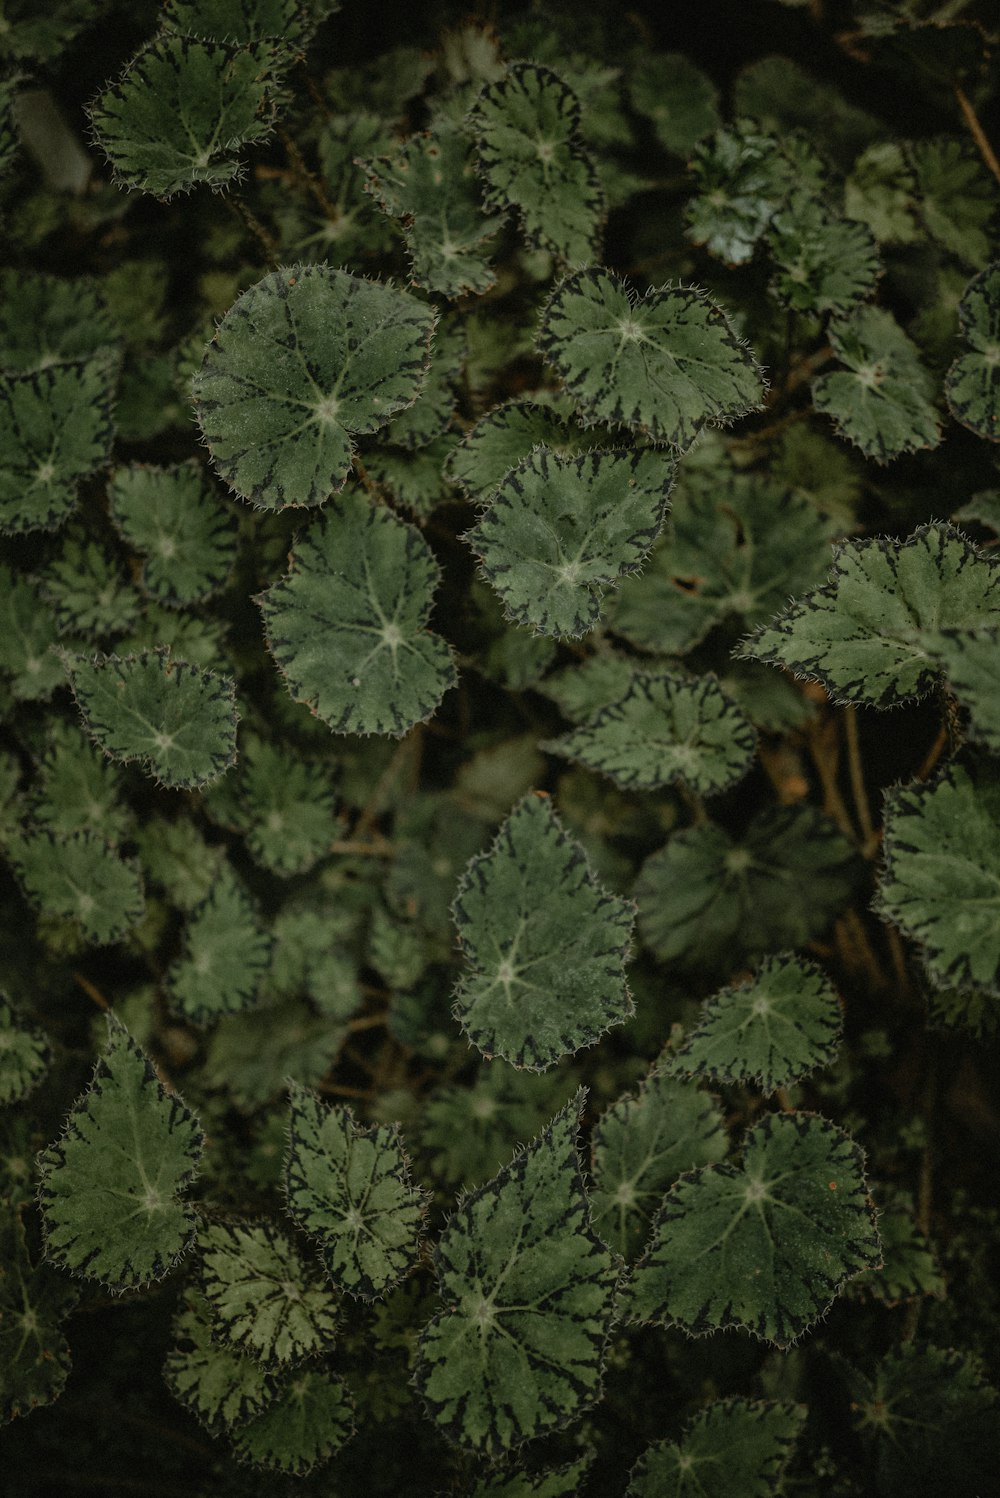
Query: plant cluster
(499, 749)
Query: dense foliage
(499, 749)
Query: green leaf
(770, 1032)
(265, 1299)
(665, 729)
(430, 183)
(957, 198)
(109, 1185)
(176, 857)
(554, 1482)
(469, 1131)
(528, 1289)
(972, 386)
(743, 178)
(347, 625)
(732, 550)
(34, 1302)
(55, 429)
(287, 810)
(311, 1418)
(765, 1245)
(881, 192)
(733, 1448)
(640, 1146)
(415, 480)
(969, 659)
(186, 537)
(86, 588)
(177, 720)
(510, 434)
(874, 633)
(181, 112)
(78, 790)
(226, 954)
(237, 21)
(681, 100)
(349, 1188)
(251, 1056)
(664, 363)
(545, 945)
(559, 530)
(910, 1268)
(42, 35)
(782, 97)
(303, 360)
(824, 263)
(428, 419)
(25, 1054)
(79, 878)
(527, 128)
(45, 321)
(882, 400)
(941, 882)
(221, 1388)
(707, 901)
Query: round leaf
(225, 956)
(170, 515)
(218, 1386)
(734, 1448)
(55, 429)
(678, 97)
(824, 263)
(311, 1418)
(80, 878)
(973, 383)
(882, 400)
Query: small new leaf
(225, 957)
(171, 516)
(765, 1245)
(110, 1184)
(882, 401)
(55, 429)
(80, 878)
(734, 1448)
(545, 944)
(528, 1289)
(25, 1054)
(349, 1187)
(824, 263)
(176, 719)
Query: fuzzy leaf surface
(772, 1031)
(555, 1482)
(529, 1289)
(733, 1448)
(666, 729)
(305, 359)
(508, 435)
(347, 626)
(744, 177)
(238, 21)
(110, 1185)
(765, 1245)
(531, 158)
(171, 516)
(560, 530)
(972, 386)
(545, 944)
(176, 719)
(220, 1387)
(55, 429)
(882, 399)
(349, 1187)
(824, 263)
(664, 364)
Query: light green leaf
(881, 192)
(941, 882)
(665, 729)
(347, 626)
(770, 1032)
(681, 100)
(301, 361)
(186, 537)
(79, 878)
(972, 385)
(45, 321)
(349, 1188)
(86, 588)
(55, 429)
(25, 1054)
(225, 957)
(177, 720)
(874, 633)
(824, 263)
(504, 439)
(220, 1387)
(545, 945)
(735, 549)
(664, 364)
(265, 1299)
(311, 1418)
(181, 112)
(555, 1482)
(560, 530)
(744, 177)
(733, 1448)
(251, 1056)
(765, 1245)
(581, 690)
(957, 198)
(528, 1289)
(882, 400)
(34, 1302)
(969, 659)
(109, 1185)
(469, 1131)
(430, 183)
(639, 1147)
(707, 901)
(527, 127)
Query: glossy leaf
(770, 1032)
(544, 944)
(666, 729)
(528, 1290)
(973, 383)
(744, 177)
(733, 1448)
(560, 530)
(765, 1245)
(303, 361)
(110, 1185)
(186, 537)
(664, 364)
(25, 1054)
(225, 956)
(882, 400)
(178, 721)
(55, 430)
(347, 626)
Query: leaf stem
(858, 789)
(92, 991)
(979, 135)
(253, 225)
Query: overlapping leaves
(973, 383)
(733, 1448)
